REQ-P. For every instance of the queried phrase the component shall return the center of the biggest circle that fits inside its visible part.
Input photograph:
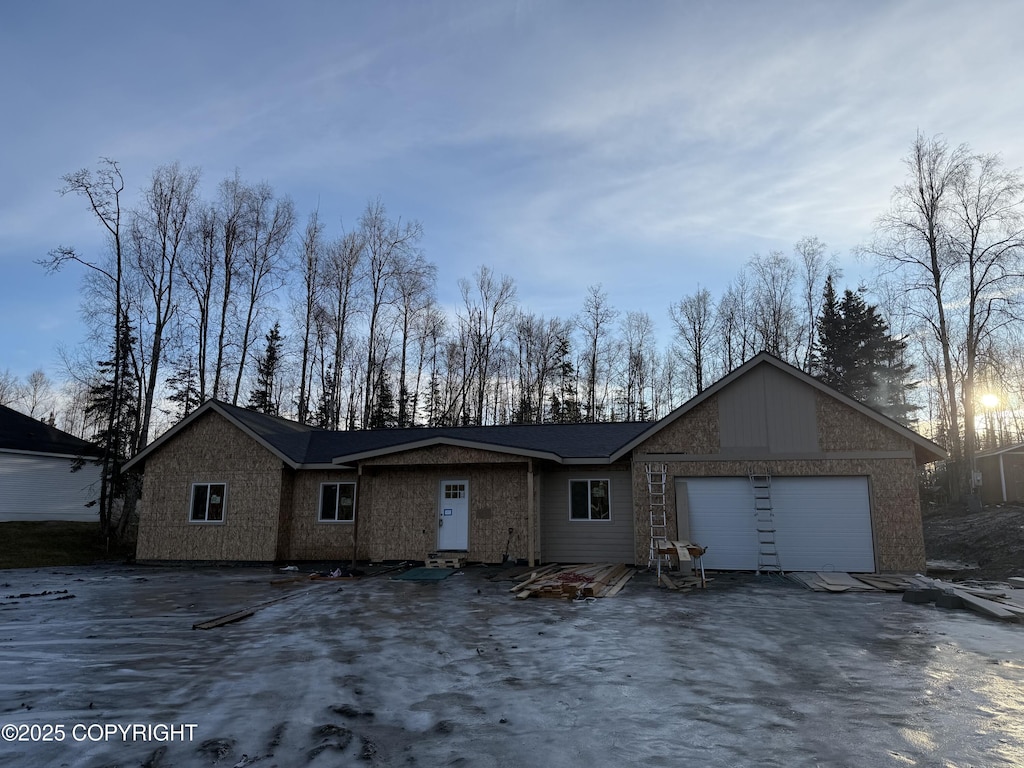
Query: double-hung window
(337, 502)
(590, 500)
(208, 502)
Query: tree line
(237, 297)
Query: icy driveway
(458, 673)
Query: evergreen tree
(183, 389)
(856, 354)
(114, 408)
(113, 389)
(384, 414)
(265, 398)
(565, 407)
(323, 413)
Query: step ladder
(656, 481)
(764, 521)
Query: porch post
(530, 512)
(1002, 476)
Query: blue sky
(648, 147)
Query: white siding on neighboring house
(36, 486)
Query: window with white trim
(337, 502)
(590, 500)
(208, 502)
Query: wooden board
(988, 607)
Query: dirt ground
(992, 540)
(753, 671)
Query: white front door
(453, 516)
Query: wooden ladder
(764, 520)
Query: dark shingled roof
(309, 445)
(19, 432)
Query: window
(455, 490)
(208, 502)
(589, 500)
(337, 502)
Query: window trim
(589, 481)
(320, 503)
(223, 504)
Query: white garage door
(821, 523)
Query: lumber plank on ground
(988, 607)
(570, 581)
(843, 579)
(668, 582)
(535, 575)
(231, 618)
(620, 583)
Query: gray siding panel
(791, 413)
(766, 409)
(38, 487)
(585, 541)
(741, 413)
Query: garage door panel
(722, 519)
(822, 523)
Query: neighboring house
(1002, 474)
(36, 481)
(228, 484)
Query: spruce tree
(183, 389)
(384, 414)
(856, 354)
(265, 398)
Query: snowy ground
(458, 673)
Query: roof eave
(431, 442)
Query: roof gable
(925, 450)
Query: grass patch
(55, 542)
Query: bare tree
(912, 238)
(694, 319)
(10, 388)
(225, 219)
(38, 395)
(814, 267)
(311, 259)
(639, 366)
(102, 190)
(735, 325)
(415, 288)
(596, 323)
(389, 245)
(986, 240)
(488, 312)
(267, 225)
(341, 299)
(158, 235)
(775, 321)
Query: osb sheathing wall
(399, 508)
(695, 432)
(841, 428)
(895, 508)
(210, 450)
(310, 538)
